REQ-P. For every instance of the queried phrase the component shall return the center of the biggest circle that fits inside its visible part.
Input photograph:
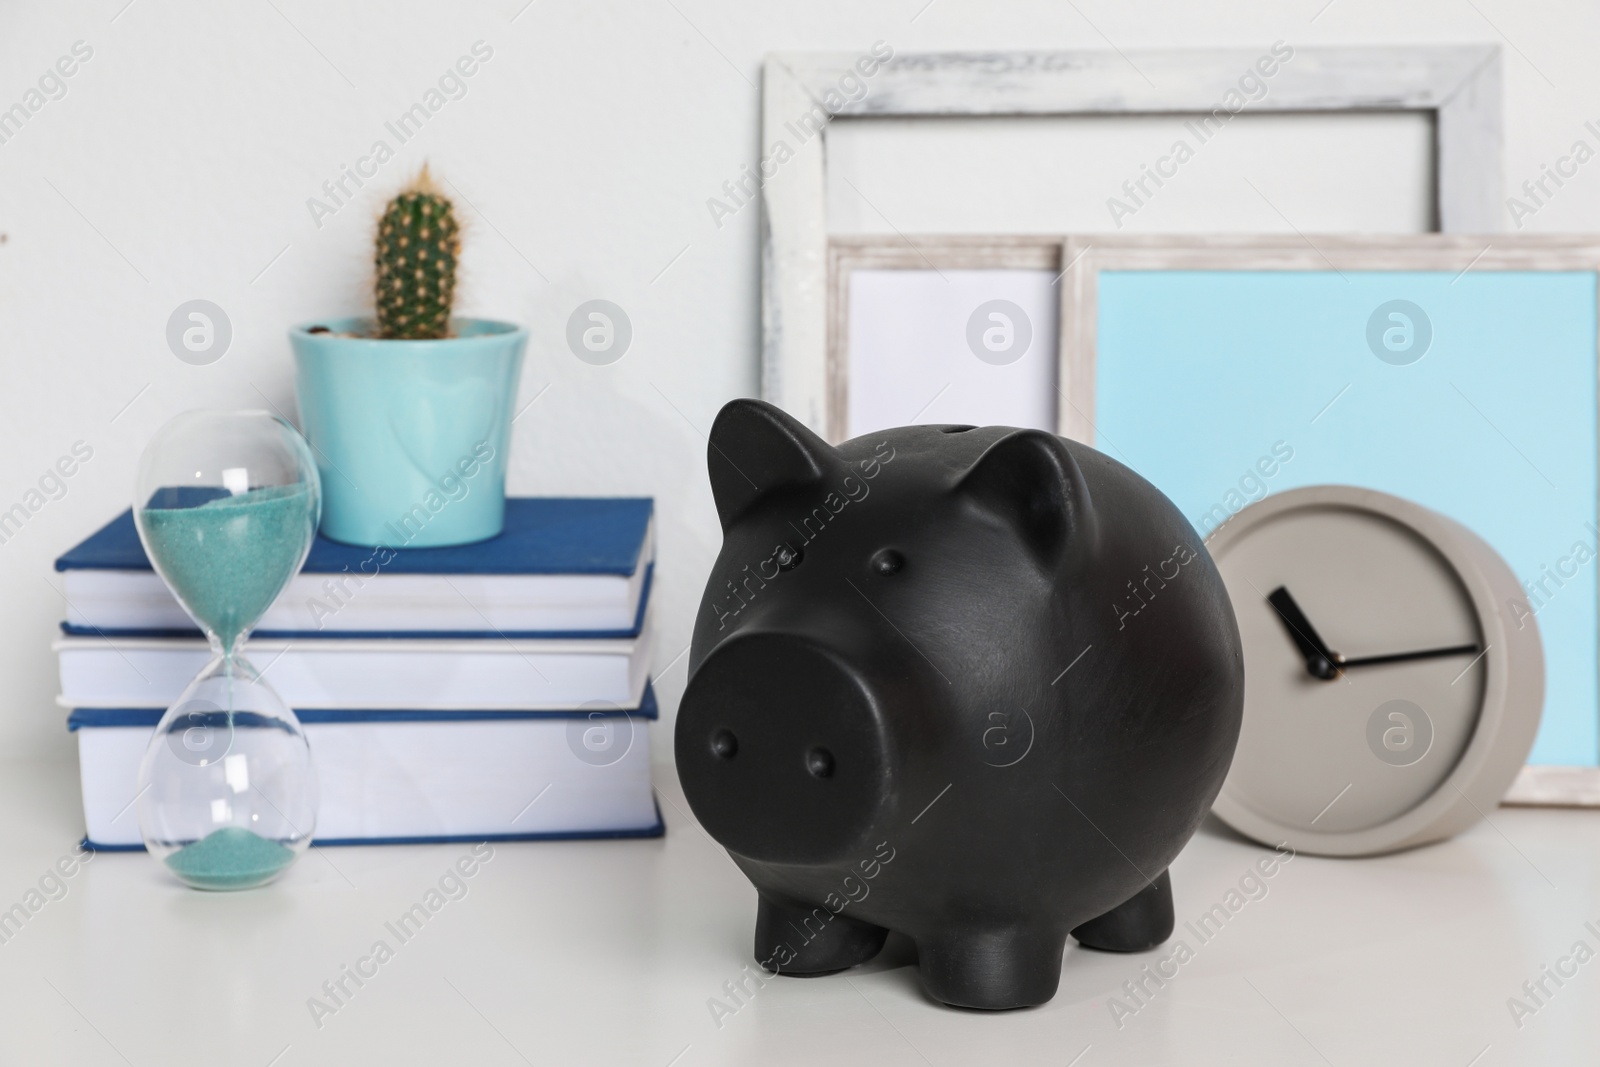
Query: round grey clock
(1390, 695)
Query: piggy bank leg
(1140, 922)
(992, 969)
(806, 942)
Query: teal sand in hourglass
(227, 505)
(229, 557)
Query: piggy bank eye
(888, 561)
(788, 558)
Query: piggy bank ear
(1029, 481)
(755, 449)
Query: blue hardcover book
(563, 568)
(392, 777)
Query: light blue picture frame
(1460, 372)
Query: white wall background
(179, 163)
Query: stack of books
(490, 691)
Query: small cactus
(418, 240)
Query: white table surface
(610, 952)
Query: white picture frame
(1079, 260)
(1087, 257)
(1459, 85)
(849, 254)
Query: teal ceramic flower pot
(411, 437)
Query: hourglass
(227, 503)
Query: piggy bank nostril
(724, 745)
(888, 561)
(819, 761)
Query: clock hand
(1402, 657)
(1320, 660)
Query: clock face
(1351, 747)
(1377, 674)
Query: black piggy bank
(977, 686)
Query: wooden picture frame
(1459, 85)
(848, 254)
(1088, 257)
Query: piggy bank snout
(782, 750)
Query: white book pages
(381, 781)
(389, 603)
(490, 674)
